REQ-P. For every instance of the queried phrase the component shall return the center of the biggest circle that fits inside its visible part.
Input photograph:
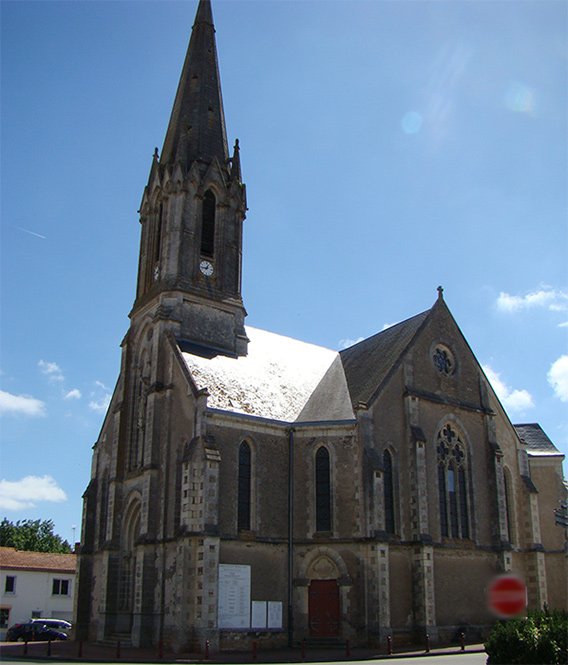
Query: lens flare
(411, 122)
(520, 98)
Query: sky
(387, 147)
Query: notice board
(234, 596)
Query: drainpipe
(290, 533)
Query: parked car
(33, 631)
(57, 624)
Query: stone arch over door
(322, 605)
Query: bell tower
(192, 213)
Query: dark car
(33, 631)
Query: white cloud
(551, 299)
(102, 385)
(558, 377)
(52, 370)
(73, 394)
(25, 493)
(21, 404)
(346, 343)
(101, 405)
(512, 399)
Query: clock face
(206, 268)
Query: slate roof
(537, 441)
(13, 559)
(368, 363)
(275, 380)
(282, 378)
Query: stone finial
(440, 293)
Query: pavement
(97, 653)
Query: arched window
(208, 224)
(388, 485)
(452, 483)
(243, 511)
(323, 491)
(158, 238)
(508, 504)
(131, 533)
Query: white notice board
(274, 614)
(234, 596)
(258, 620)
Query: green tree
(32, 536)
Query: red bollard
(303, 650)
(80, 653)
(49, 647)
(254, 650)
(161, 649)
(207, 650)
(118, 650)
(427, 643)
(389, 645)
(463, 641)
(347, 649)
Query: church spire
(192, 214)
(196, 131)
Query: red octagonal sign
(507, 596)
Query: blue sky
(387, 147)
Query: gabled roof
(13, 559)
(367, 363)
(537, 441)
(274, 380)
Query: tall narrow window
(208, 224)
(508, 504)
(388, 492)
(463, 503)
(452, 484)
(443, 504)
(323, 491)
(453, 503)
(243, 519)
(158, 239)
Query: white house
(35, 584)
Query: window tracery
(452, 483)
(443, 360)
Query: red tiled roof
(11, 558)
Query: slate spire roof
(197, 125)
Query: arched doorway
(324, 608)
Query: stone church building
(248, 486)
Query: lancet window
(323, 490)
(208, 224)
(388, 487)
(244, 498)
(508, 487)
(452, 483)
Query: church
(247, 486)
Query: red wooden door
(323, 608)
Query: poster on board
(258, 619)
(234, 596)
(274, 614)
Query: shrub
(540, 639)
